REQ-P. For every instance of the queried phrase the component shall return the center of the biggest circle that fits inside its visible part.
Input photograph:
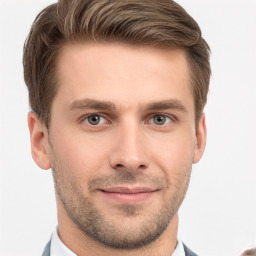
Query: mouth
(128, 194)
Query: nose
(129, 150)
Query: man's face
(122, 139)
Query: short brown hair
(158, 23)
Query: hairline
(84, 41)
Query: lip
(128, 190)
(127, 194)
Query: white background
(218, 216)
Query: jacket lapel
(47, 249)
(188, 252)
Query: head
(117, 90)
(161, 24)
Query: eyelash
(171, 117)
(85, 118)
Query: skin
(249, 252)
(132, 169)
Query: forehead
(124, 74)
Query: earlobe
(39, 141)
(200, 139)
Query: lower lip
(128, 197)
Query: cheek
(174, 156)
(82, 158)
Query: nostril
(142, 167)
(130, 168)
(122, 162)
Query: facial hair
(101, 227)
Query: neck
(81, 244)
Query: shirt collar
(59, 249)
(179, 250)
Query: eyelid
(173, 118)
(101, 115)
(109, 119)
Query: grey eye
(94, 119)
(159, 119)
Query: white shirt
(59, 249)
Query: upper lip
(128, 189)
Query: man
(117, 91)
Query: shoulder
(188, 252)
(47, 249)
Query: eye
(95, 119)
(160, 119)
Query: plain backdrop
(218, 216)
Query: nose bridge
(129, 149)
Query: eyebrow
(109, 106)
(166, 104)
(92, 104)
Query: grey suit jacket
(47, 249)
(46, 252)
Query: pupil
(159, 120)
(94, 119)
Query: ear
(200, 139)
(39, 141)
